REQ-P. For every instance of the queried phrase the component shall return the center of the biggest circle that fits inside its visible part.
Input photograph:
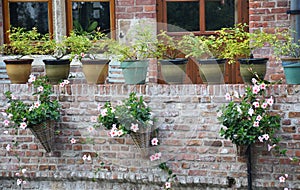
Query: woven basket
(44, 132)
(142, 140)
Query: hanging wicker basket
(44, 132)
(142, 139)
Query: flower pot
(95, 71)
(18, 70)
(291, 69)
(57, 69)
(44, 132)
(142, 139)
(212, 70)
(134, 71)
(174, 70)
(253, 68)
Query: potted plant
(288, 50)
(206, 51)
(63, 51)
(94, 66)
(39, 115)
(133, 117)
(21, 43)
(133, 55)
(171, 60)
(239, 44)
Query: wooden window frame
(6, 21)
(70, 18)
(242, 16)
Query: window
(87, 16)
(28, 14)
(200, 16)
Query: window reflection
(183, 16)
(29, 14)
(90, 16)
(219, 14)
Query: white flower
(254, 81)
(281, 179)
(266, 137)
(227, 96)
(255, 89)
(73, 141)
(19, 181)
(23, 170)
(236, 94)
(31, 78)
(40, 88)
(5, 132)
(8, 147)
(89, 158)
(94, 119)
(134, 127)
(6, 122)
(154, 141)
(36, 104)
(256, 104)
(259, 117)
(66, 82)
(120, 133)
(23, 125)
(168, 185)
(270, 101)
(239, 109)
(84, 157)
(264, 105)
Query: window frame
(242, 16)
(6, 20)
(70, 17)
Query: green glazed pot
(134, 71)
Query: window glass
(183, 16)
(219, 14)
(29, 14)
(88, 16)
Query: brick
(145, 2)
(150, 8)
(294, 114)
(268, 4)
(124, 16)
(197, 173)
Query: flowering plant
(23, 114)
(130, 116)
(248, 119)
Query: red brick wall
(135, 9)
(189, 136)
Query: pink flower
(90, 129)
(168, 185)
(266, 137)
(94, 119)
(270, 147)
(6, 122)
(262, 86)
(270, 101)
(256, 124)
(66, 82)
(157, 155)
(227, 96)
(259, 117)
(40, 88)
(104, 112)
(256, 104)
(264, 105)
(23, 125)
(82, 54)
(120, 133)
(36, 104)
(62, 84)
(261, 139)
(73, 141)
(152, 157)
(31, 78)
(281, 179)
(134, 127)
(255, 89)
(154, 141)
(113, 133)
(253, 80)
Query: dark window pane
(183, 16)
(219, 14)
(88, 16)
(29, 14)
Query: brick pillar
(267, 16)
